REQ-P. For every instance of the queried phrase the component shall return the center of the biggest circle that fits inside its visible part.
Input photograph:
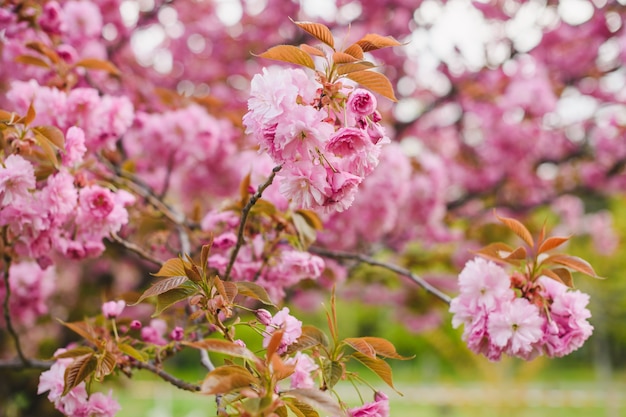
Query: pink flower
(291, 327)
(101, 405)
(17, 176)
(301, 377)
(485, 283)
(362, 102)
(177, 334)
(135, 325)
(97, 201)
(348, 141)
(305, 185)
(378, 408)
(74, 146)
(154, 332)
(112, 309)
(517, 326)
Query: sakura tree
(173, 171)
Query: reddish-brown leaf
(78, 371)
(374, 81)
(106, 365)
(76, 352)
(252, 290)
(317, 399)
(31, 60)
(318, 31)
(361, 345)
(162, 286)
(223, 346)
(312, 50)
(572, 262)
(46, 146)
(343, 58)
(519, 229)
(82, 329)
(311, 218)
(378, 366)
(280, 370)
(300, 409)
(311, 336)
(385, 348)
(53, 134)
(372, 42)
(98, 64)
(8, 117)
(44, 49)
(289, 53)
(355, 50)
(562, 275)
(552, 243)
(227, 378)
(171, 268)
(354, 67)
(495, 251)
(276, 339)
(517, 255)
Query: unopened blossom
(112, 309)
(177, 334)
(347, 141)
(263, 316)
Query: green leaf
(168, 299)
(378, 366)
(252, 290)
(318, 31)
(317, 399)
(374, 81)
(289, 53)
(300, 409)
(162, 286)
(106, 365)
(372, 42)
(223, 346)
(132, 352)
(332, 373)
(227, 378)
(78, 371)
(282, 411)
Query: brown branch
(244, 217)
(19, 365)
(371, 261)
(179, 383)
(7, 311)
(136, 249)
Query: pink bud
(263, 316)
(135, 325)
(177, 334)
(112, 309)
(240, 343)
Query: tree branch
(179, 383)
(244, 217)
(371, 261)
(19, 365)
(7, 312)
(136, 249)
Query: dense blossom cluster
(76, 403)
(547, 317)
(324, 156)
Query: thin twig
(136, 249)
(371, 261)
(244, 216)
(7, 313)
(19, 365)
(179, 383)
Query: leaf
(375, 82)
(171, 297)
(289, 53)
(230, 290)
(44, 49)
(78, 371)
(162, 286)
(332, 373)
(317, 399)
(496, 251)
(562, 275)
(311, 337)
(31, 60)
(318, 31)
(372, 42)
(312, 50)
(519, 229)
(244, 189)
(172, 267)
(53, 134)
(282, 411)
(551, 243)
(362, 346)
(344, 69)
(306, 232)
(252, 290)
(301, 409)
(311, 218)
(46, 145)
(343, 58)
(76, 352)
(106, 365)
(355, 50)
(385, 348)
(98, 64)
(275, 341)
(281, 371)
(204, 256)
(8, 117)
(223, 346)
(378, 366)
(132, 352)
(572, 262)
(192, 272)
(517, 255)
(83, 329)
(227, 378)
(30, 115)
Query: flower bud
(263, 316)
(112, 309)
(135, 325)
(177, 334)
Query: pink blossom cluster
(305, 368)
(77, 402)
(289, 325)
(324, 156)
(378, 408)
(31, 288)
(547, 317)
